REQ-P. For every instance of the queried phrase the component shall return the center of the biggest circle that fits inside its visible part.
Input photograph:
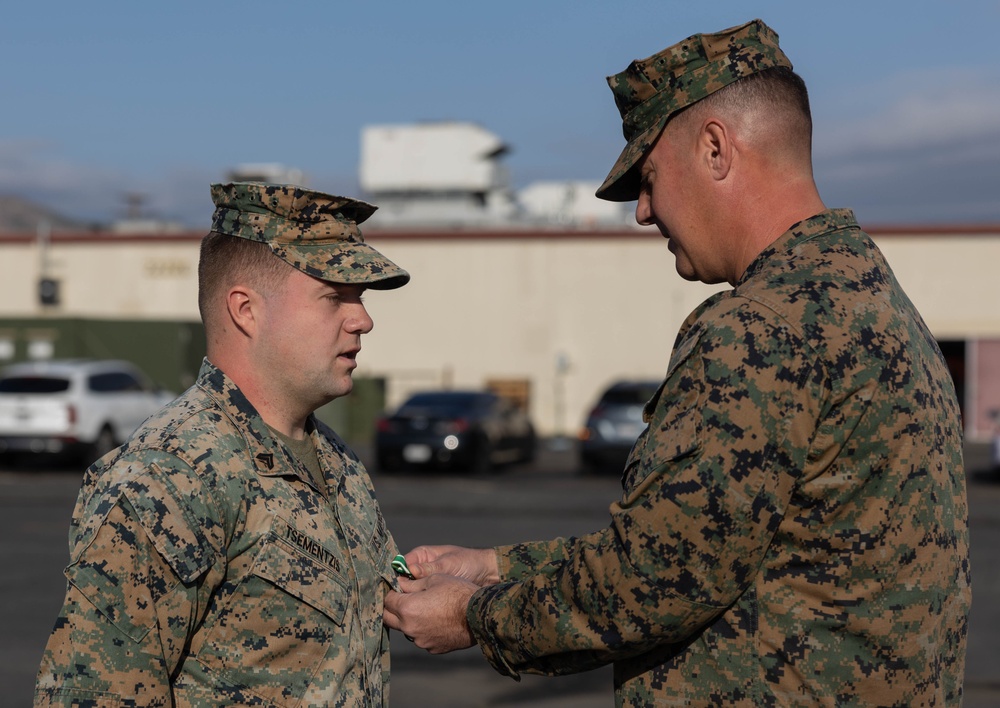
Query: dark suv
(613, 426)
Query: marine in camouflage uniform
(208, 564)
(793, 526)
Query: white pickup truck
(74, 406)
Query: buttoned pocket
(674, 419)
(302, 577)
(675, 438)
(285, 624)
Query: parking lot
(545, 499)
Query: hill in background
(22, 216)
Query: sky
(103, 99)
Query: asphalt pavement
(547, 499)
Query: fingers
(434, 616)
(407, 585)
(427, 554)
(392, 615)
(468, 563)
(423, 560)
(391, 611)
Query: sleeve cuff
(483, 627)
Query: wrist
(491, 567)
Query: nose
(359, 322)
(643, 214)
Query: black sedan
(471, 430)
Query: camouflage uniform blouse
(793, 528)
(207, 569)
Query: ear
(243, 307)
(717, 148)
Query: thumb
(423, 570)
(391, 610)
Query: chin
(345, 387)
(341, 389)
(334, 389)
(685, 271)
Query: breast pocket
(304, 579)
(286, 622)
(674, 430)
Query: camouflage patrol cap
(314, 232)
(652, 90)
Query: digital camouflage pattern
(651, 90)
(793, 528)
(207, 568)
(314, 232)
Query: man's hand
(430, 612)
(477, 565)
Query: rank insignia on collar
(267, 458)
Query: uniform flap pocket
(676, 435)
(683, 351)
(76, 698)
(107, 596)
(674, 416)
(303, 577)
(383, 550)
(681, 357)
(176, 532)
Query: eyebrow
(343, 288)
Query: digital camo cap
(314, 232)
(652, 90)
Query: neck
(767, 214)
(272, 408)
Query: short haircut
(777, 93)
(226, 261)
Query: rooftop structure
(437, 174)
(573, 203)
(268, 172)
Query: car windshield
(629, 395)
(442, 404)
(33, 384)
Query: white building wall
(519, 308)
(19, 274)
(951, 279)
(508, 306)
(148, 278)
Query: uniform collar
(270, 457)
(823, 223)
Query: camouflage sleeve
(143, 563)
(521, 560)
(705, 489)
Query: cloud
(929, 154)
(92, 194)
(926, 110)
(911, 148)
(32, 169)
(87, 193)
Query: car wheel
(592, 466)
(103, 444)
(482, 460)
(387, 464)
(530, 449)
